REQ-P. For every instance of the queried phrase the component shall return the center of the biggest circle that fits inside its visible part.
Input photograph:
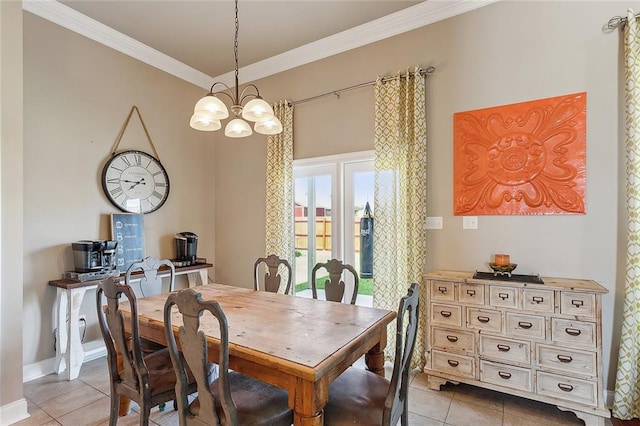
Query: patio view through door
(330, 195)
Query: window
(330, 196)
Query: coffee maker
(186, 248)
(94, 255)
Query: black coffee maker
(186, 248)
(94, 255)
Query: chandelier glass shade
(246, 106)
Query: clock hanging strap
(124, 127)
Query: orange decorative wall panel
(521, 159)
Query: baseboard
(92, 350)
(13, 412)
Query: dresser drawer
(582, 304)
(506, 375)
(484, 319)
(538, 300)
(529, 326)
(505, 349)
(573, 332)
(446, 314)
(567, 360)
(505, 297)
(452, 339)
(442, 290)
(567, 388)
(458, 365)
(471, 294)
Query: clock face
(135, 182)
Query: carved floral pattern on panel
(521, 159)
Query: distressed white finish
(542, 342)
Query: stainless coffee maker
(94, 255)
(186, 248)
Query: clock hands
(140, 182)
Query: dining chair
(233, 398)
(361, 397)
(272, 279)
(334, 287)
(146, 378)
(151, 282)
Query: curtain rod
(422, 72)
(618, 21)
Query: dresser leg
(589, 419)
(434, 382)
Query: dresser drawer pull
(442, 290)
(454, 339)
(445, 314)
(503, 296)
(503, 348)
(564, 358)
(455, 363)
(504, 375)
(577, 303)
(565, 387)
(483, 319)
(471, 292)
(538, 299)
(525, 325)
(572, 331)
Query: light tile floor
(85, 401)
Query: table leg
(69, 350)
(374, 358)
(201, 275)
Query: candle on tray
(501, 259)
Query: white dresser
(538, 341)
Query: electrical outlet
(470, 222)
(433, 222)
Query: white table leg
(61, 335)
(68, 342)
(192, 277)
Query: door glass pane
(313, 226)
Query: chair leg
(145, 413)
(115, 408)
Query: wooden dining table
(295, 343)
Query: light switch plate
(433, 222)
(470, 222)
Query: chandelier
(210, 109)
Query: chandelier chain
(235, 47)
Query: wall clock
(135, 182)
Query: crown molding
(417, 16)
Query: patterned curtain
(626, 400)
(399, 249)
(279, 188)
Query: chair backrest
(195, 352)
(272, 279)
(406, 330)
(334, 287)
(151, 283)
(133, 377)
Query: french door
(330, 195)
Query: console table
(70, 353)
(541, 341)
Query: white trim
(92, 350)
(14, 412)
(347, 157)
(75, 21)
(413, 17)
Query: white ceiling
(193, 39)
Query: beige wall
(77, 95)
(12, 406)
(503, 53)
